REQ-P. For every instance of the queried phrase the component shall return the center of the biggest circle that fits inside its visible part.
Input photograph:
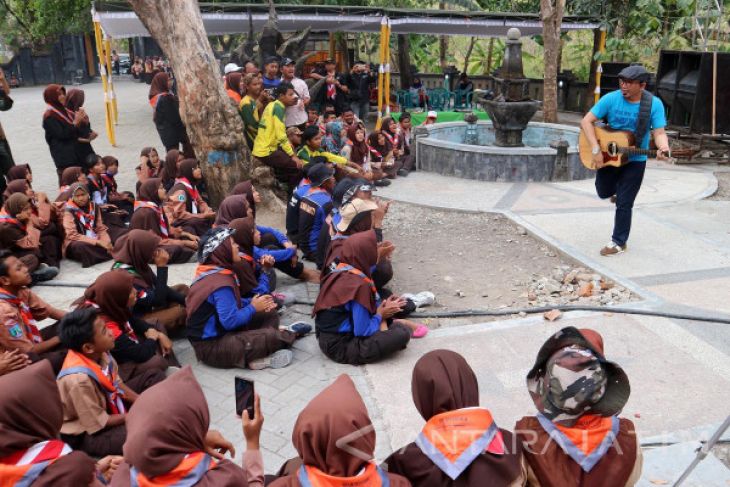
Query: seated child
(124, 200)
(185, 205)
(95, 399)
(99, 190)
(87, 240)
(314, 207)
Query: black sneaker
(402, 173)
(382, 182)
(44, 272)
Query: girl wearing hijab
(138, 346)
(43, 218)
(21, 171)
(149, 165)
(74, 102)
(272, 242)
(392, 131)
(186, 208)
(61, 126)
(225, 329)
(149, 214)
(23, 239)
(168, 173)
(166, 113)
(333, 140)
(232, 82)
(124, 200)
(382, 155)
(445, 388)
(359, 154)
(335, 413)
(69, 176)
(86, 238)
(30, 452)
(99, 190)
(170, 440)
(156, 301)
(352, 322)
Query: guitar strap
(642, 123)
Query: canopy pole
(381, 73)
(103, 73)
(110, 82)
(387, 67)
(599, 66)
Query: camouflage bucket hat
(572, 377)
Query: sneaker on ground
(612, 249)
(277, 360)
(284, 299)
(382, 182)
(424, 298)
(402, 173)
(300, 328)
(44, 272)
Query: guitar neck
(633, 151)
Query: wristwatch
(596, 150)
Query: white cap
(231, 67)
(432, 114)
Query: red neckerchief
(107, 380)
(344, 267)
(87, 220)
(189, 471)
(109, 181)
(66, 117)
(114, 327)
(5, 218)
(98, 185)
(331, 91)
(393, 139)
(30, 329)
(192, 190)
(26, 465)
(160, 215)
(371, 476)
(375, 152)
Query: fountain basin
(440, 149)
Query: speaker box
(684, 84)
(609, 77)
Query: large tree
(214, 127)
(551, 13)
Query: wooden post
(90, 64)
(714, 92)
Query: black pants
(624, 182)
(349, 349)
(269, 242)
(108, 441)
(285, 169)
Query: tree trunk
(490, 55)
(468, 53)
(551, 12)
(588, 103)
(404, 61)
(443, 44)
(342, 46)
(214, 127)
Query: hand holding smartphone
(244, 396)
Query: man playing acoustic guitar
(635, 110)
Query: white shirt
(297, 114)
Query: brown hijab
(360, 150)
(17, 172)
(110, 292)
(233, 82)
(159, 85)
(15, 204)
(382, 149)
(161, 432)
(137, 248)
(245, 270)
(148, 191)
(200, 290)
(74, 99)
(232, 207)
(51, 96)
(22, 426)
(169, 167)
(16, 186)
(69, 177)
(338, 288)
(246, 188)
(334, 413)
(443, 381)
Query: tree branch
(16, 16)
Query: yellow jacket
(305, 154)
(272, 131)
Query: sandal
(420, 331)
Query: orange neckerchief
(343, 267)
(234, 95)
(205, 270)
(108, 382)
(372, 476)
(6, 218)
(187, 473)
(452, 440)
(25, 466)
(587, 441)
(30, 329)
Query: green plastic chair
(439, 99)
(405, 99)
(463, 99)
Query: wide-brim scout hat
(351, 209)
(571, 377)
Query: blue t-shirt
(623, 115)
(270, 83)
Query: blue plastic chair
(463, 99)
(439, 99)
(405, 99)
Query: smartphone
(244, 396)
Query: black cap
(638, 73)
(271, 59)
(319, 173)
(287, 61)
(341, 189)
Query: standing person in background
(296, 115)
(6, 157)
(232, 83)
(75, 102)
(358, 82)
(251, 68)
(115, 61)
(251, 107)
(62, 128)
(272, 146)
(166, 114)
(335, 90)
(271, 77)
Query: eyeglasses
(622, 81)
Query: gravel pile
(575, 285)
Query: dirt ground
(723, 186)
(474, 260)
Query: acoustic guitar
(616, 147)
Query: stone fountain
(512, 109)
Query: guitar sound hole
(612, 149)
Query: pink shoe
(420, 331)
